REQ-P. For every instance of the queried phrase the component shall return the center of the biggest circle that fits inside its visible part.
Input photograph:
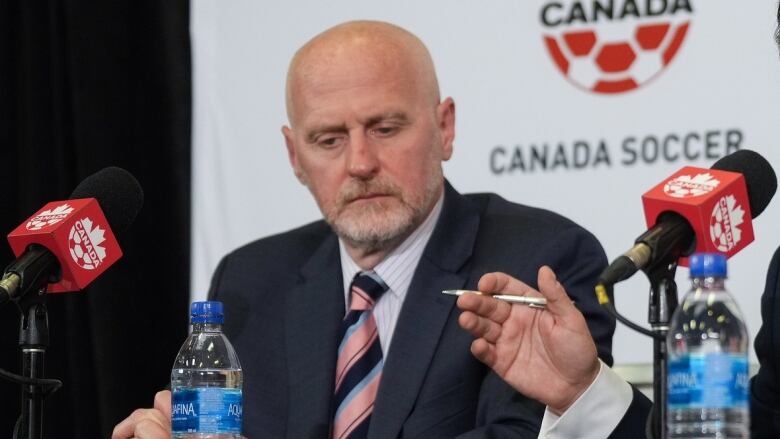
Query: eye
(384, 130)
(329, 141)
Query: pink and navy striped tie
(359, 365)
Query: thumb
(162, 402)
(558, 302)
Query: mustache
(360, 188)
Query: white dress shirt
(595, 414)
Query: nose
(362, 159)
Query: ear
(445, 115)
(291, 155)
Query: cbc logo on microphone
(84, 243)
(685, 186)
(726, 218)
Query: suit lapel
(424, 314)
(314, 311)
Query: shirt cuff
(595, 413)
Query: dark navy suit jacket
(284, 301)
(765, 386)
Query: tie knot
(365, 290)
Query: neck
(368, 256)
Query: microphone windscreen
(117, 191)
(760, 178)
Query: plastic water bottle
(206, 380)
(708, 358)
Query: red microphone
(68, 244)
(699, 209)
(715, 204)
(78, 234)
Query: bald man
(367, 135)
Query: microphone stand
(662, 303)
(25, 282)
(33, 341)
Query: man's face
(369, 145)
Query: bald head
(366, 48)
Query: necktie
(359, 364)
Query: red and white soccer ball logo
(685, 186)
(614, 46)
(49, 217)
(726, 218)
(84, 242)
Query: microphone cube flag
(77, 233)
(715, 203)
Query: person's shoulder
(495, 208)
(287, 247)
(507, 228)
(774, 267)
(252, 280)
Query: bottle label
(713, 380)
(206, 410)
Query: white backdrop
(722, 85)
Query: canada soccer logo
(49, 217)
(84, 243)
(726, 218)
(614, 46)
(685, 186)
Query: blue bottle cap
(708, 265)
(206, 312)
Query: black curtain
(85, 85)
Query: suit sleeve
(765, 386)
(634, 422)
(578, 259)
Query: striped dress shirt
(396, 270)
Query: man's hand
(154, 423)
(546, 354)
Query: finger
(127, 427)
(480, 327)
(503, 283)
(162, 402)
(485, 306)
(150, 429)
(159, 417)
(484, 351)
(558, 302)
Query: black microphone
(685, 204)
(68, 244)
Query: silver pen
(533, 302)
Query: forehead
(358, 86)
